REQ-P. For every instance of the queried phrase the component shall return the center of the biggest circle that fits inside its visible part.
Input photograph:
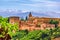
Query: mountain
(8, 13)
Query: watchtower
(14, 19)
(30, 15)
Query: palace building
(33, 23)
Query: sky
(48, 8)
(31, 5)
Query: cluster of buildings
(33, 23)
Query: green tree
(20, 34)
(7, 29)
(22, 19)
(54, 22)
(26, 18)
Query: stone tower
(14, 20)
(30, 15)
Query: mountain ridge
(26, 13)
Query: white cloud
(39, 3)
(46, 2)
(33, 5)
(10, 0)
(23, 11)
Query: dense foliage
(54, 22)
(7, 29)
(37, 34)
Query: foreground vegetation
(9, 31)
(38, 34)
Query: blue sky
(31, 5)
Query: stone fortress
(33, 23)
